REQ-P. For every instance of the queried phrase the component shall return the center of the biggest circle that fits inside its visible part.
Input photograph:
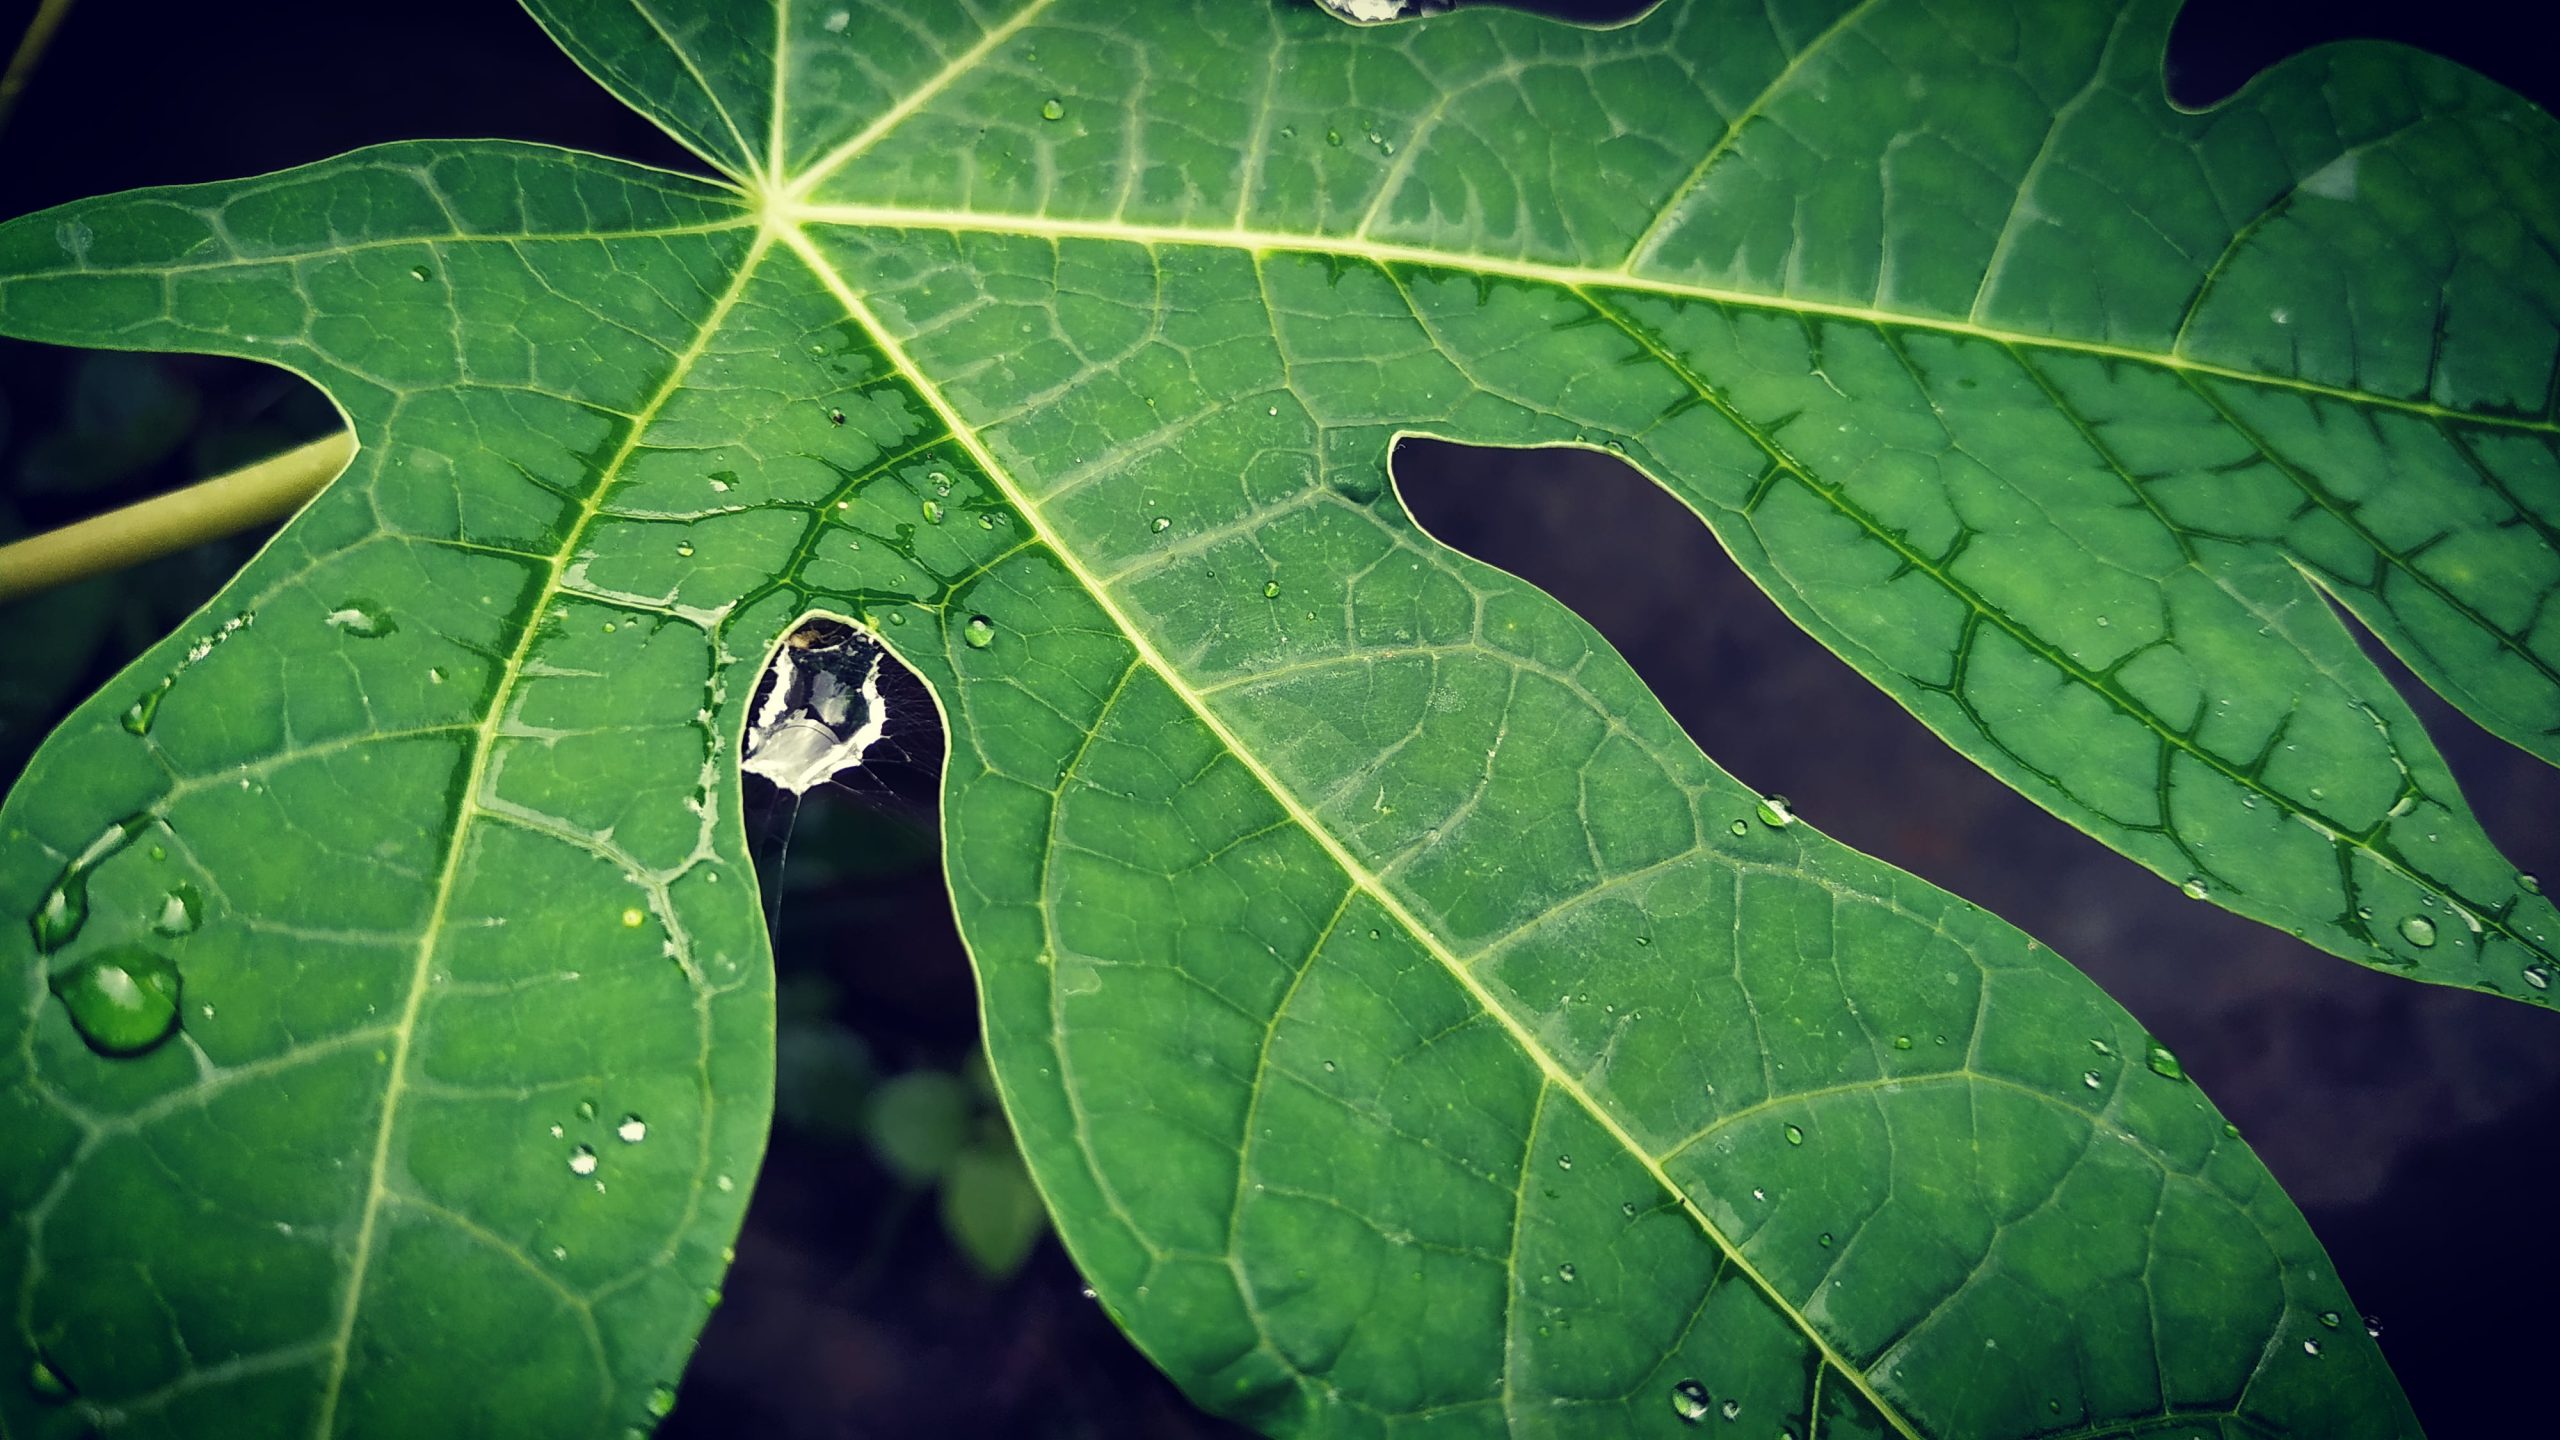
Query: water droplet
(2420, 931)
(1333, 137)
(2537, 977)
(1564, 1162)
(1826, 1239)
(2194, 888)
(1162, 524)
(2329, 1318)
(586, 1109)
(1901, 1042)
(1689, 1401)
(1053, 109)
(1565, 1273)
(1741, 827)
(986, 522)
(582, 1161)
(2528, 885)
(632, 1130)
(123, 1000)
(933, 512)
(897, 617)
(181, 911)
(2372, 1328)
(2310, 1347)
(685, 548)
(137, 716)
(1774, 812)
(361, 618)
(2101, 1046)
(980, 632)
(2090, 1079)
(2164, 1063)
(662, 1401)
(435, 674)
(1795, 1135)
(1732, 1410)
(633, 918)
(1628, 1209)
(835, 417)
(48, 1383)
(2230, 1131)
(1271, 590)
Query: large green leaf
(1408, 1027)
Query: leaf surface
(1407, 1026)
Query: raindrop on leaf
(980, 632)
(123, 1000)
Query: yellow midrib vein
(1360, 874)
(790, 213)
(404, 1030)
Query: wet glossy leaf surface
(1406, 1024)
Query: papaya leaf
(1405, 1024)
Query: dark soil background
(2413, 1123)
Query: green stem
(48, 18)
(207, 510)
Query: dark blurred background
(889, 1282)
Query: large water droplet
(2418, 930)
(1689, 1401)
(123, 1000)
(1053, 108)
(136, 718)
(181, 911)
(1775, 812)
(1795, 1134)
(980, 632)
(363, 619)
(2162, 1062)
(632, 1130)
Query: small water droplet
(1795, 1134)
(1565, 1273)
(1162, 524)
(2538, 977)
(2194, 888)
(2230, 1131)
(1328, 1067)
(2090, 1078)
(1333, 137)
(582, 1161)
(181, 911)
(421, 272)
(632, 1130)
(1901, 1042)
(1564, 1162)
(980, 632)
(662, 1401)
(1689, 1401)
(1271, 590)
(586, 1109)
(1732, 1410)
(2310, 1347)
(362, 619)
(2101, 1046)
(1826, 1239)
(2329, 1318)
(137, 716)
(633, 918)
(1628, 1209)
(435, 674)
(2164, 1063)
(835, 416)
(933, 512)
(123, 1000)
(986, 522)
(1775, 812)
(2418, 930)
(48, 1383)
(1053, 109)
(2372, 1328)
(897, 617)
(685, 548)
(1741, 827)
(2528, 884)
